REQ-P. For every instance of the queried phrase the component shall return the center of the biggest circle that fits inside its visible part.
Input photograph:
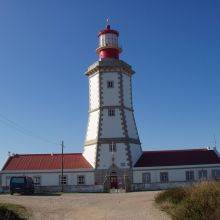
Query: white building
(112, 156)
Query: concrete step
(117, 191)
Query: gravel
(92, 206)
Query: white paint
(92, 129)
(90, 154)
(132, 131)
(135, 152)
(94, 91)
(120, 156)
(176, 174)
(127, 91)
(108, 40)
(51, 178)
(110, 95)
(111, 125)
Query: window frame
(190, 175)
(110, 84)
(112, 147)
(162, 175)
(146, 178)
(62, 182)
(111, 112)
(216, 174)
(201, 174)
(79, 182)
(35, 183)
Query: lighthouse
(112, 145)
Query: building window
(164, 178)
(190, 175)
(111, 112)
(112, 147)
(8, 178)
(146, 178)
(37, 180)
(110, 84)
(202, 174)
(81, 180)
(216, 174)
(122, 164)
(63, 180)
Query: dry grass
(13, 212)
(198, 202)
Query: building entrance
(113, 181)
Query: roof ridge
(46, 154)
(172, 150)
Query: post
(62, 146)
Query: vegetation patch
(13, 212)
(198, 202)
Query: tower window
(110, 84)
(111, 112)
(112, 147)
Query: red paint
(109, 53)
(108, 30)
(177, 158)
(113, 182)
(46, 162)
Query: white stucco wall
(135, 152)
(120, 157)
(92, 129)
(51, 178)
(110, 95)
(132, 131)
(111, 125)
(127, 90)
(176, 174)
(94, 91)
(90, 154)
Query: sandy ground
(92, 206)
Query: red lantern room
(108, 44)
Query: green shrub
(200, 202)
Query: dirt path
(83, 206)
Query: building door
(113, 181)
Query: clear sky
(46, 46)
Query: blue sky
(46, 46)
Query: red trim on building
(109, 53)
(46, 162)
(178, 158)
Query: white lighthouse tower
(112, 143)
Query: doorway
(113, 181)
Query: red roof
(177, 158)
(46, 162)
(108, 30)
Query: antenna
(215, 142)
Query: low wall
(53, 189)
(159, 186)
(86, 188)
